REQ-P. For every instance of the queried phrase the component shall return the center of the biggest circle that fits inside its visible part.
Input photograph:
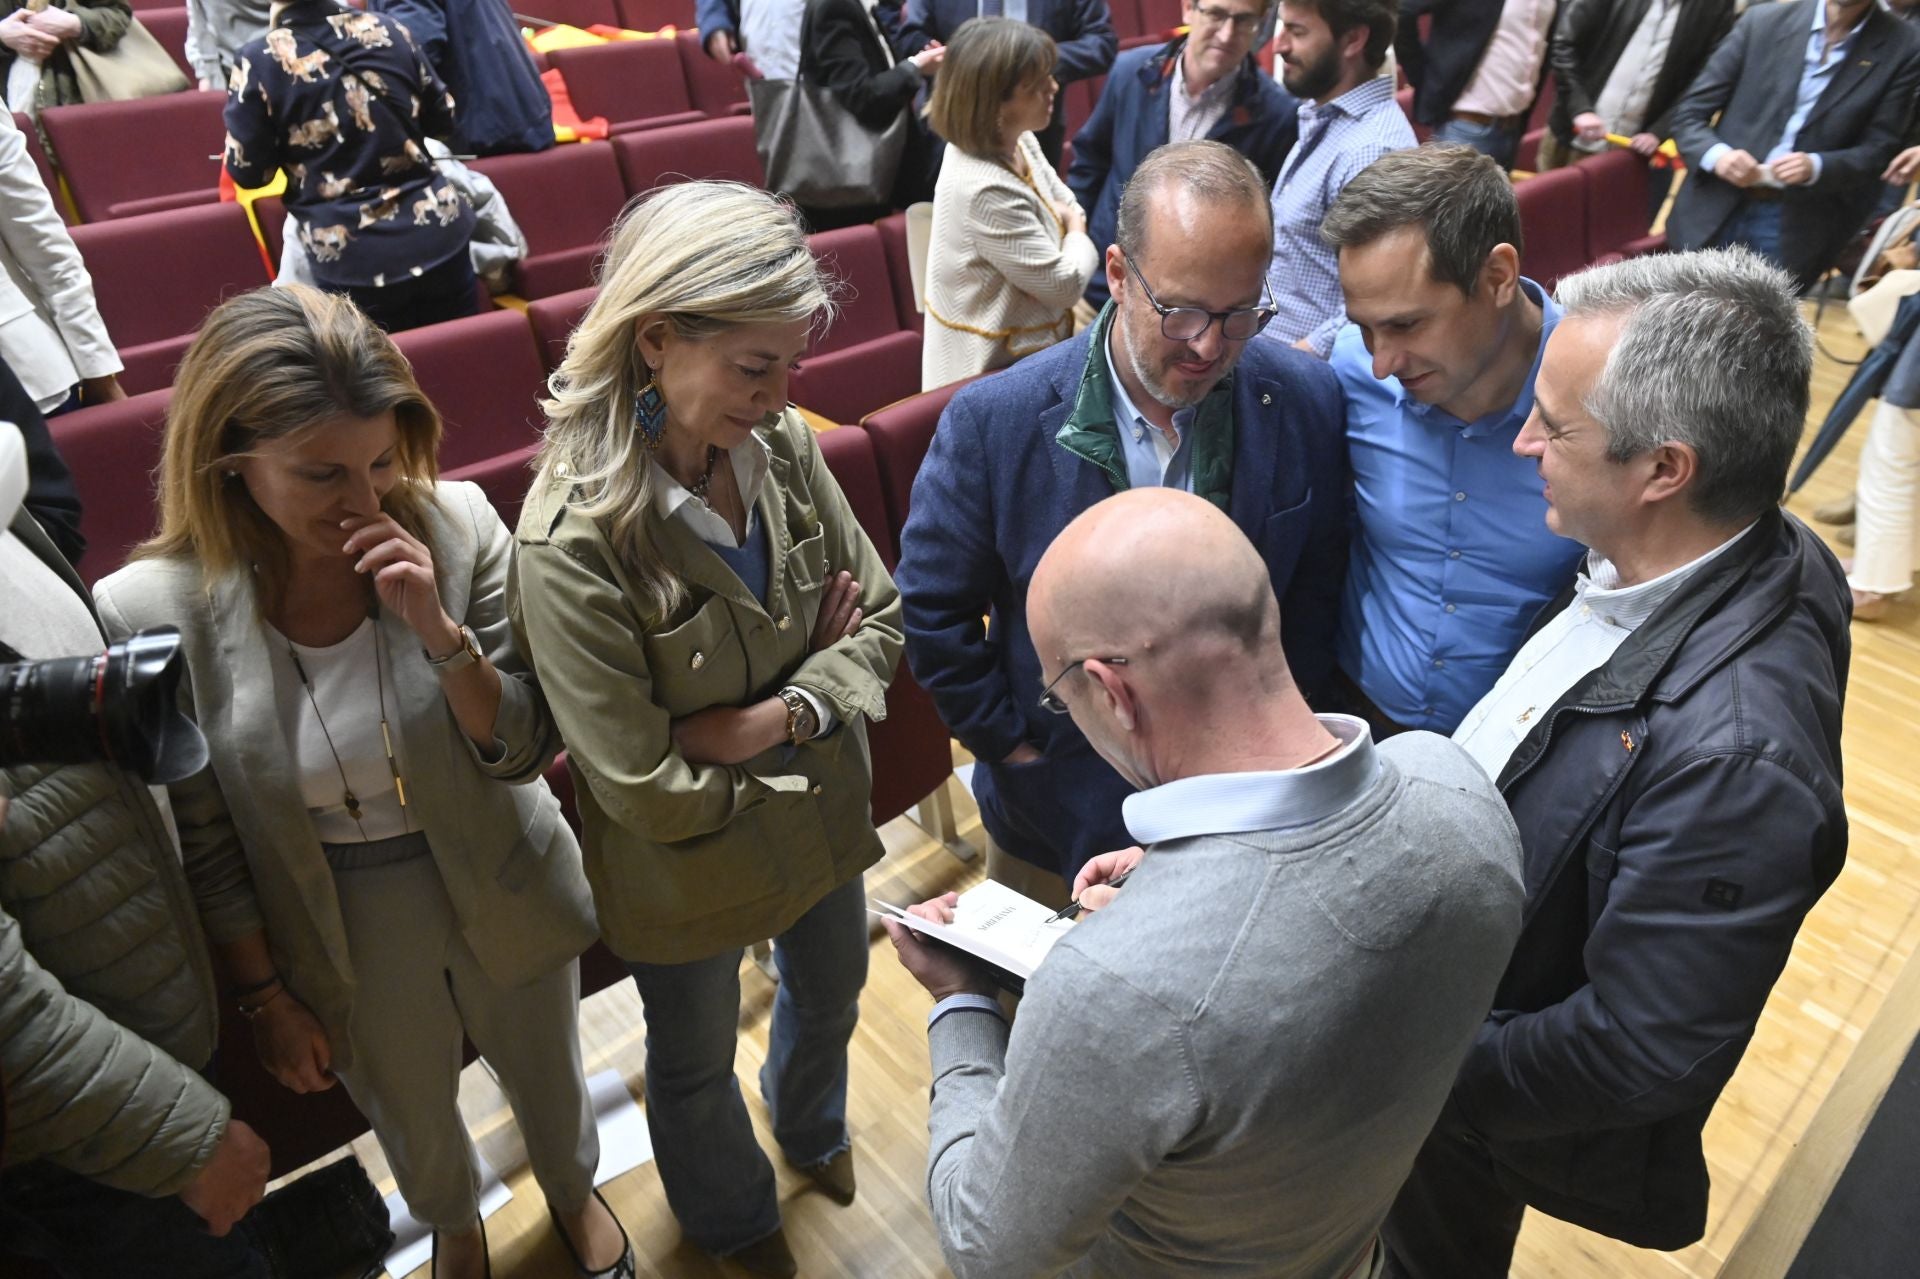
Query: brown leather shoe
(834, 1177)
(1869, 606)
(769, 1256)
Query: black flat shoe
(622, 1269)
(486, 1254)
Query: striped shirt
(1337, 141)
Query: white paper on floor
(413, 1241)
(965, 774)
(625, 1142)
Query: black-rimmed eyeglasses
(1244, 23)
(1050, 700)
(1187, 323)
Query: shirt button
(697, 660)
(785, 622)
(1453, 555)
(1266, 399)
(1439, 663)
(1459, 497)
(818, 789)
(1450, 608)
(1426, 710)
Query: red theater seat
(169, 27)
(1553, 221)
(554, 319)
(865, 360)
(1127, 21)
(578, 13)
(143, 156)
(902, 433)
(720, 148)
(42, 165)
(715, 88)
(503, 478)
(484, 375)
(1617, 217)
(655, 15)
(893, 239)
(635, 84)
(912, 756)
(158, 275)
(112, 450)
(1405, 98)
(565, 199)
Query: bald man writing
(1229, 1068)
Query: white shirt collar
(1238, 803)
(750, 462)
(1599, 592)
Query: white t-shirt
(346, 688)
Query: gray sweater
(1230, 1070)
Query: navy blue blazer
(1130, 120)
(994, 491)
(1082, 28)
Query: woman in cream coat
(386, 869)
(714, 632)
(1008, 256)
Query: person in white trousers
(1886, 536)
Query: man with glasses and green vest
(1164, 389)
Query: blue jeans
(1755, 224)
(1487, 139)
(718, 1181)
(85, 1230)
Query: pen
(1073, 908)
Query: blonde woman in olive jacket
(713, 631)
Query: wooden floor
(1852, 949)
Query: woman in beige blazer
(386, 867)
(1008, 256)
(714, 631)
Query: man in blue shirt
(1451, 557)
(1812, 99)
(1166, 389)
(1330, 53)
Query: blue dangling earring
(650, 414)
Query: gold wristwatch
(460, 658)
(802, 722)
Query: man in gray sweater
(1228, 1070)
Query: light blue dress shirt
(1817, 70)
(1452, 556)
(1145, 470)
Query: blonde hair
(266, 365)
(706, 257)
(987, 62)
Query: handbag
(1874, 309)
(813, 150)
(331, 1222)
(137, 67)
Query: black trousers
(1452, 1219)
(84, 1230)
(446, 292)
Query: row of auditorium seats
(123, 159)
(485, 373)
(1591, 212)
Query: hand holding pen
(1098, 881)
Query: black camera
(120, 706)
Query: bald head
(1153, 572)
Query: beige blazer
(1003, 273)
(510, 864)
(690, 860)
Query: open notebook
(1007, 929)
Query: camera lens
(119, 706)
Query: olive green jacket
(689, 860)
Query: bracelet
(250, 1011)
(241, 992)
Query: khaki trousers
(1044, 886)
(418, 986)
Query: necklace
(347, 797)
(700, 487)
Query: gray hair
(1460, 198)
(1714, 354)
(1212, 171)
